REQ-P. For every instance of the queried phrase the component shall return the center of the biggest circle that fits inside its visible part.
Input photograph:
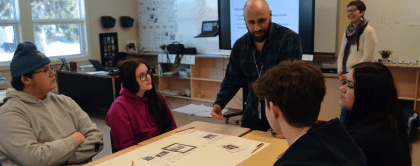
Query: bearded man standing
(264, 46)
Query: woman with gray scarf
(358, 43)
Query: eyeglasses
(351, 10)
(144, 76)
(45, 71)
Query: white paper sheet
(98, 72)
(207, 151)
(413, 12)
(197, 110)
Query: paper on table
(197, 110)
(208, 151)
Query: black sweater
(326, 143)
(381, 149)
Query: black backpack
(412, 118)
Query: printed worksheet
(190, 147)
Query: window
(59, 26)
(8, 27)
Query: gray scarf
(353, 35)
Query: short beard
(263, 37)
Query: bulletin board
(109, 47)
(157, 24)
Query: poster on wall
(157, 24)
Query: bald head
(256, 5)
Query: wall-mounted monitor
(297, 15)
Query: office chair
(120, 56)
(244, 98)
(113, 150)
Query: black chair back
(120, 56)
(112, 143)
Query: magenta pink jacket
(130, 120)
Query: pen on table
(132, 163)
(184, 129)
(259, 146)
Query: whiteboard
(388, 18)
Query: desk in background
(269, 154)
(89, 89)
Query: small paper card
(230, 147)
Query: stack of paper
(197, 110)
(98, 72)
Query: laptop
(97, 65)
(209, 29)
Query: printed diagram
(176, 147)
(210, 136)
(159, 156)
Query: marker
(132, 163)
(184, 129)
(259, 146)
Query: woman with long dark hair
(375, 123)
(140, 112)
(358, 43)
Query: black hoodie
(326, 143)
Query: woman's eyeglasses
(45, 70)
(351, 10)
(144, 76)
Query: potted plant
(385, 55)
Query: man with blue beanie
(38, 127)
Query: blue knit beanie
(27, 59)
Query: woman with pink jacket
(140, 113)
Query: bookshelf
(407, 79)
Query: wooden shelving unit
(407, 79)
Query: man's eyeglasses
(144, 76)
(45, 71)
(351, 10)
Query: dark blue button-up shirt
(281, 44)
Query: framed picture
(109, 47)
(64, 64)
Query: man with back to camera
(264, 46)
(38, 127)
(293, 92)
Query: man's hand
(80, 138)
(342, 76)
(216, 113)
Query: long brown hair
(375, 103)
